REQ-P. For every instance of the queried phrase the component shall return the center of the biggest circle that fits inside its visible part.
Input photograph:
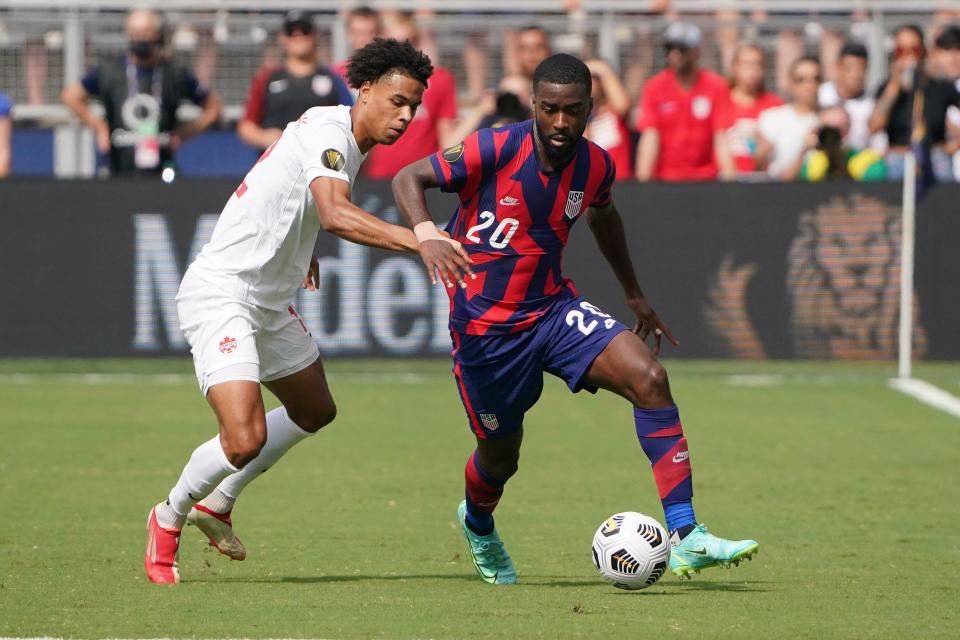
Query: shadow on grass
(673, 587)
(737, 586)
(322, 579)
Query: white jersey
(261, 247)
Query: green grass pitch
(851, 488)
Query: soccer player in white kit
(235, 300)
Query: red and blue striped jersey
(513, 220)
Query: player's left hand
(649, 322)
(312, 281)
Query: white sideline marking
(97, 379)
(755, 380)
(928, 394)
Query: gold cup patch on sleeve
(452, 154)
(333, 159)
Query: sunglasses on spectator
(806, 79)
(899, 52)
(679, 46)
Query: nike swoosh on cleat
(700, 552)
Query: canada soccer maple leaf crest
(228, 345)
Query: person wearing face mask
(140, 94)
(912, 107)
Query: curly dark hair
(384, 56)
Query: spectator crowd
(683, 123)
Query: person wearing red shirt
(606, 127)
(683, 116)
(748, 99)
(433, 125)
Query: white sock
(218, 502)
(282, 434)
(206, 468)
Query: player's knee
(504, 467)
(241, 448)
(650, 385)
(315, 417)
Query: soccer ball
(631, 550)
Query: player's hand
(312, 281)
(448, 259)
(649, 322)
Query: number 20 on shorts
(577, 317)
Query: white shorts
(231, 339)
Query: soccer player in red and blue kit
(514, 315)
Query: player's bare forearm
(409, 188)
(441, 256)
(607, 227)
(365, 229)
(339, 216)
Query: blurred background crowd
(693, 90)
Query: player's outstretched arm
(339, 216)
(440, 254)
(607, 227)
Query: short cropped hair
(803, 60)
(855, 49)
(949, 38)
(384, 56)
(562, 68)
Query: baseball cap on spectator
(682, 35)
(298, 21)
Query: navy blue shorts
(500, 377)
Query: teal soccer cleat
(489, 556)
(702, 550)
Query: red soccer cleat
(163, 549)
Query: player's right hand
(448, 259)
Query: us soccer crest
(333, 159)
(574, 203)
(489, 421)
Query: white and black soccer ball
(631, 550)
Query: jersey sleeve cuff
(322, 172)
(438, 171)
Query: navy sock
(480, 522)
(483, 493)
(661, 436)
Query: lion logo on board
(843, 287)
(333, 159)
(452, 154)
